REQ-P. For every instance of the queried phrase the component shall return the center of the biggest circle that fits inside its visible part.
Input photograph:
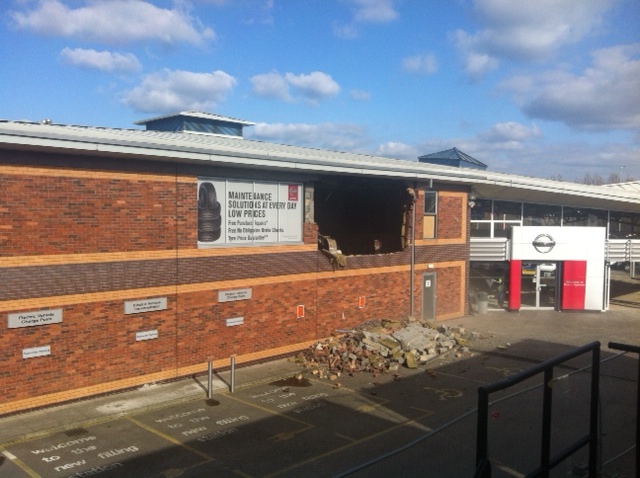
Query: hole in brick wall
(363, 216)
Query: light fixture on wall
(472, 201)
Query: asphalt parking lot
(418, 422)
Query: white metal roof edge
(230, 152)
(197, 114)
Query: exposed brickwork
(448, 293)
(310, 233)
(79, 214)
(76, 205)
(450, 216)
(385, 297)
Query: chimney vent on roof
(197, 122)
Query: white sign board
(30, 319)
(557, 244)
(146, 335)
(235, 321)
(231, 295)
(234, 212)
(36, 352)
(146, 305)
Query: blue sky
(541, 88)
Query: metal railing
(547, 461)
(633, 349)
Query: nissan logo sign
(543, 243)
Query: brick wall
(88, 239)
(451, 216)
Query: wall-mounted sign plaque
(231, 295)
(146, 305)
(30, 319)
(235, 321)
(146, 335)
(36, 352)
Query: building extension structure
(129, 256)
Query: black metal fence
(547, 461)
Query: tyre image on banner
(209, 218)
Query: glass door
(546, 290)
(539, 285)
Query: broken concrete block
(390, 343)
(448, 344)
(375, 346)
(410, 360)
(462, 342)
(391, 324)
(414, 336)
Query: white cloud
(115, 22)
(111, 62)
(373, 11)
(365, 11)
(346, 32)
(271, 85)
(313, 87)
(525, 31)
(260, 13)
(605, 96)
(332, 136)
(420, 64)
(172, 90)
(360, 95)
(510, 131)
(397, 150)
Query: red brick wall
(95, 343)
(81, 214)
(450, 216)
(147, 223)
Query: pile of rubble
(383, 346)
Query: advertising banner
(235, 212)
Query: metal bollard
(233, 373)
(210, 383)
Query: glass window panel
(481, 210)
(582, 217)
(480, 229)
(507, 211)
(541, 215)
(624, 225)
(430, 202)
(503, 229)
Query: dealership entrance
(560, 268)
(539, 285)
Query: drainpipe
(413, 249)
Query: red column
(574, 274)
(515, 279)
